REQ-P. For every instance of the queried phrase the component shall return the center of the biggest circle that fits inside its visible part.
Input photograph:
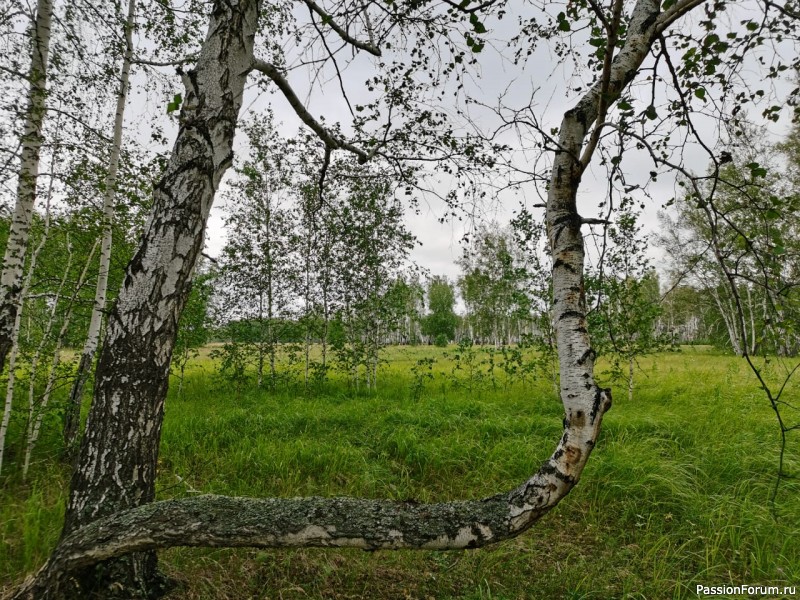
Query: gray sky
(496, 76)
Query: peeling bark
(31, 143)
(116, 465)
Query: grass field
(676, 494)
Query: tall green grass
(676, 493)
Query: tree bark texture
(31, 143)
(72, 413)
(111, 512)
(116, 466)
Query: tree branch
(327, 138)
(166, 63)
(223, 521)
(328, 20)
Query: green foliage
(749, 212)
(234, 358)
(421, 372)
(441, 321)
(494, 286)
(174, 104)
(625, 290)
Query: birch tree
(72, 412)
(440, 322)
(27, 178)
(255, 278)
(373, 247)
(111, 512)
(626, 295)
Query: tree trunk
(729, 320)
(12, 362)
(260, 342)
(630, 379)
(31, 143)
(116, 466)
(72, 413)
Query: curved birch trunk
(72, 414)
(111, 512)
(17, 244)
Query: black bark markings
(599, 406)
(571, 314)
(590, 354)
(551, 469)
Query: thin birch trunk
(260, 344)
(31, 143)
(270, 308)
(35, 427)
(325, 324)
(12, 365)
(630, 379)
(730, 324)
(12, 360)
(307, 305)
(753, 335)
(72, 413)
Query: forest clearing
(677, 494)
(330, 298)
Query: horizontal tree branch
(223, 521)
(164, 63)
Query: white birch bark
(37, 409)
(31, 143)
(73, 410)
(116, 464)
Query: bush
(441, 340)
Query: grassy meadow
(676, 493)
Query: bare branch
(167, 63)
(462, 6)
(594, 221)
(327, 138)
(675, 12)
(328, 20)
